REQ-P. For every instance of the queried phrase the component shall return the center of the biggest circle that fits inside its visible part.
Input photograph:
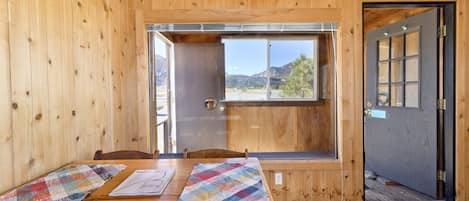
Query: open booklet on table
(145, 182)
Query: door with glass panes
(401, 102)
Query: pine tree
(299, 83)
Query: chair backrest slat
(215, 153)
(125, 155)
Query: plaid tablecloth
(69, 183)
(225, 181)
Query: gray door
(199, 75)
(401, 102)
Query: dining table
(183, 169)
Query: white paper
(145, 182)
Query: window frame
(315, 48)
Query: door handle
(210, 103)
(367, 109)
(367, 112)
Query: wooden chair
(123, 155)
(215, 153)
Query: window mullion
(268, 87)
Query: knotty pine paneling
(280, 128)
(347, 181)
(68, 84)
(6, 141)
(462, 97)
(350, 68)
(305, 185)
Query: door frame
(449, 84)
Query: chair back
(215, 153)
(125, 155)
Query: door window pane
(412, 43)
(383, 95)
(383, 72)
(412, 95)
(397, 71)
(412, 69)
(397, 48)
(397, 95)
(383, 49)
(293, 71)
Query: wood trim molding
(178, 16)
(301, 164)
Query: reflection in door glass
(412, 69)
(383, 72)
(383, 95)
(397, 95)
(383, 49)
(397, 71)
(412, 95)
(404, 70)
(412, 44)
(397, 48)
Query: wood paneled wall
(69, 84)
(280, 128)
(462, 98)
(306, 185)
(341, 179)
(303, 180)
(27, 43)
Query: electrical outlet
(278, 178)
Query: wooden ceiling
(378, 17)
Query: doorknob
(210, 103)
(367, 110)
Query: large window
(271, 69)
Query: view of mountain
(161, 70)
(258, 80)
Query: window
(398, 70)
(162, 76)
(270, 69)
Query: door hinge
(441, 175)
(442, 31)
(441, 104)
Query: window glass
(245, 69)
(412, 69)
(397, 71)
(397, 48)
(383, 72)
(412, 95)
(412, 43)
(292, 69)
(383, 49)
(162, 76)
(403, 88)
(383, 95)
(397, 93)
(271, 69)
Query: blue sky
(160, 48)
(249, 56)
